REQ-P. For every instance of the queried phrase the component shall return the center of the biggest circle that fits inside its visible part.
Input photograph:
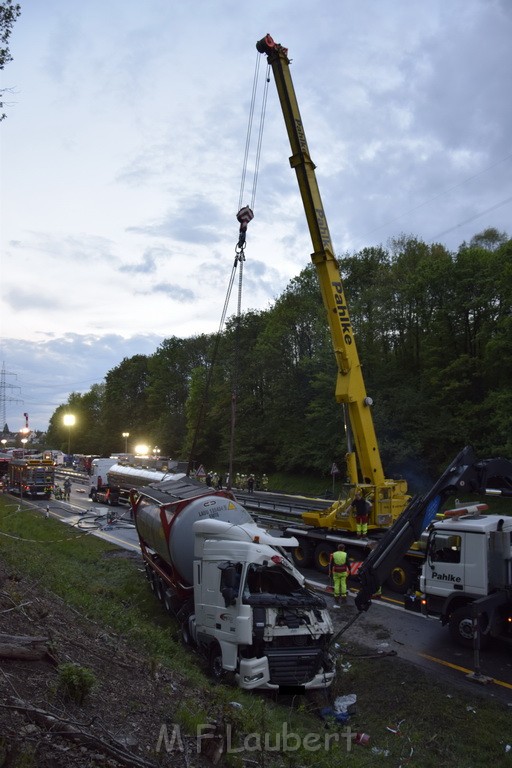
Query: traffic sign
(200, 471)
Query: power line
(472, 218)
(440, 194)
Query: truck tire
(303, 555)
(461, 627)
(323, 552)
(402, 577)
(215, 662)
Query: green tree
(88, 436)
(434, 335)
(9, 12)
(490, 239)
(125, 404)
(59, 436)
(170, 375)
(293, 351)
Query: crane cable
(244, 216)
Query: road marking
(461, 669)
(123, 544)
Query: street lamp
(24, 441)
(69, 421)
(4, 443)
(126, 435)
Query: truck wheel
(215, 662)
(303, 555)
(402, 577)
(322, 557)
(461, 628)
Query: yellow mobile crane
(364, 467)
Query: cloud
(195, 222)
(123, 159)
(174, 292)
(43, 374)
(147, 265)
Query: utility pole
(4, 397)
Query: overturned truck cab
(230, 584)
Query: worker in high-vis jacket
(338, 569)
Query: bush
(75, 681)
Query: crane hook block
(244, 216)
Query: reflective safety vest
(339, 562)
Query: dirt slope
(119, 721)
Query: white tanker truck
(238, 598)
(111, 481)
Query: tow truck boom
(466, 474)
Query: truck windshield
(271, 580)
(274, 585)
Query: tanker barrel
(168, 528)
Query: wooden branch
(25, 647)
(17, 606)
(22, 639)
(67, 730)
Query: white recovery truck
(466, 577)
(468, 568)
(239, 599)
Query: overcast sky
(122, 158)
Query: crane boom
(389, 496)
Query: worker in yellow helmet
(338, 569)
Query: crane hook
(244, 216)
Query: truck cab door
(220, 612)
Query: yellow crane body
(364, 466)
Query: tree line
(434, 333)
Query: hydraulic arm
(389, 496)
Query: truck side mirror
(229, 594)
(229, 583)
(229, 575)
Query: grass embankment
(438, 726)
